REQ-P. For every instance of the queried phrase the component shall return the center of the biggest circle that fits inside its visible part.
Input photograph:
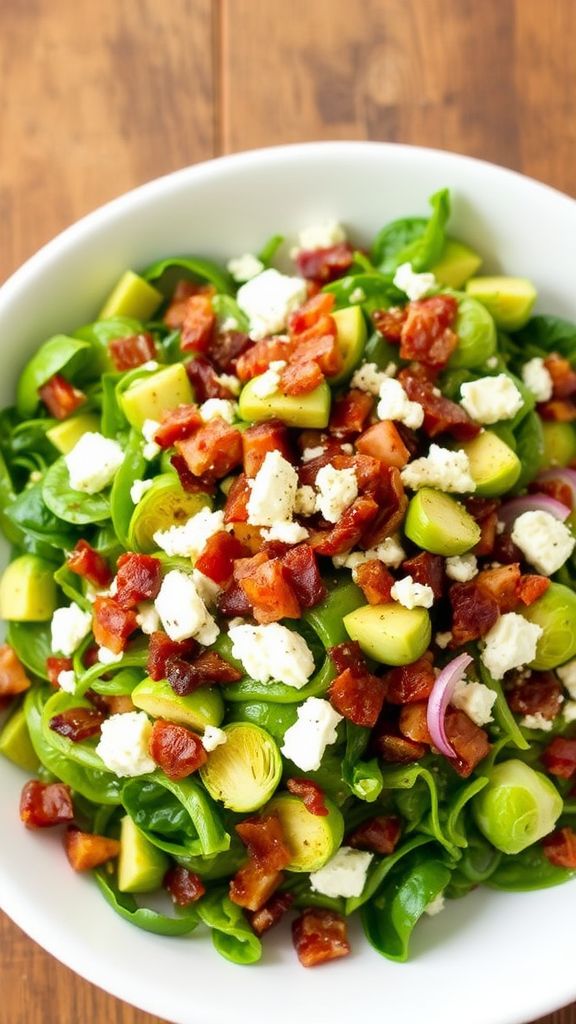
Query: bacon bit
(319, 344)
(184, 290)
(204, 380)
(559, 410)
(13, 678)
(348, 532)
(43, 805)
(250, 537)
(111, 624)
(378, 835)
(233, 602)
(60, 397)
(409, 684)
(184, 886)
(359, 696)
(262, 438)
(310, 313)
(488, 535)
(245, 567)
(214, 450)
(325, 265)
(177, 425)
(162, 649)
(530, 588)
(265, 841)
(270, 594)
(90, 656)
(77, 724)
(399, 749)
(54, 666)
(119, 704)
(190, 483)
(559, 757)
(481, 508)
(320, 936)
(374, 581)
(563, 376)
(383, 441)
(501, 584)
(216, 560)
(505, 549)
(270, 914)
(301, 378)
(427, 569)
(555, 488)
(86, 851)
(252, 886)
(198, 324)
(303, 575)
(348, 655)
(539, 694)
(441, 416)
(560, 848)
(208, 668)
(349, 414)
(236, 507)
(389, 322)
(138, 579)
(392, 504)
(427, 333)
(226, 348)
(132, 351)
(474, 612)
(88, 563)
(257, 359)
(469, 741)
(413, 724)
(176, 750)
(311, 795)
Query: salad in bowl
(291, 623)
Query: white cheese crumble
(411, 594)
(337, 489)
(394, 404)
(390, 552)
(268, 382)
(188, 540)
(536, 721)
(443, 639)
(286, 532)
(272, 652)
(315, 729)
(492, 362)
(414, 285)
(567, 674)
(68, 628)
(229, 380)
(436, 906)
(357, 295)
(441, 468)
(268, 300)
(150, 449)
(321, 236)
(213, 737)
(461, 567)
(207, 588)
(538, 379)
(138, 490)
(305, 501)
(569, 711)
(148, 618)
(93, 462)
(273, 491)
(511, 642)
(313, 453)
(124, 743)
(476, 699)
(369, 378)
(244, 268)
(343, 875)
(222, 407)
(182, 611)
(544, 541)
(67, 680)
(491, 399)
(108, 657)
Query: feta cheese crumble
(229, 380)
(68, 628)
(544, 541)
(443, 639)
(305, 501)
(461, 567)
(286, 532)
(313, 453)
(538, 379)
(321, 236)
(491, 399)
(315, 729)
(273, 491)
(148, 618)
(272, 652)
(93, 463)
(150, 449)
(436, 906)
(268, 382)
(213, 737)
(567, 674)
(511, 642)
(411, 594)
(337, 489)
(138, 490)
(343, 875)
(370, 379)
(182, 611)
(268, 300)
(414, 285)
(244, 268)
(569, 711)
(108, 657)
(476, 699)
(222, 407)
(394, 404)
(357, 295)
(124, 742)
(390, 552)
(536, 721)
(443, 469)
(67, 680)
(188, 540)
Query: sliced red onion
(566, 476)
(439, 700)
(510, 511)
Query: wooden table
(99, 97)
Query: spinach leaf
(502, 714)
(35, 521)
(71, 586)
(274, 718)
(55, 355)
(414, 240)
(423, 810)
(69, 505)
(83, 754)
(133, 468)
(114, 422)
(232, 936)
(381, 867)
(545, 334)
(99, 333)
(143, 917)
(452, 811)
(529, 438)
(33, 645)
(206, 270)
(377, 288)
(120, 684)
(178, 817)
(269, 249)
(363, 778)
(526, 871)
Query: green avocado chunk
(510, 300)
(132, 296)
(64, 436)
(197, 710)
(493, 465)
(457, 263)
(311, 838)
(27, 590)
(351, 328)
(141, 866)
(307, 411)
(148, 397)
(15, 742)
(390, 633)
(440, 524)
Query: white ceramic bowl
(489, 958)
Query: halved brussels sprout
(165, 504)
(555, 612)
(312, 838)
(518, 807)
(244, 771)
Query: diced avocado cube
(66, 434)
(440, 524)
(493, 464)
(197, 710)
(311, 410)
(457, 263)
(149, 397)
(132, 296)
(390, 633)
(27, 590)
(351, 327)
(15, 742)
(311, 838)
(510, 300)
(141, 865)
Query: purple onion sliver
(510, 511)
(439, 700)
(566, 476)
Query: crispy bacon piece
(319, 936)
(389, 322)
(392, 504)
(177, 425)
(559, 757)
(427, 569)
(427, 332)
(226, 348)
(474, 612)
(204, 380)
(311, 795)
(378, 835)
(250, 537)
(468, 740)
(531, 587)
(319, 344)
(348, 655)
(348, 532)
(270, 594)
(560, 848)
(264, 839)
(190, 483)
(119, 704)
(198, 324)
(139, 578)
(271, 913)
(54, 666)
(60, 397)
(183, 291)
(253, 885)
(162, 649)
(563, 376)
(262, 438)
(86, 851)
(310, 313)
(358, 695)
(350, 412)
(301, 378)
(408, 684)
(441, 416)
(216, 560)
(413, 724)
(257, 359)
(77, 724)
(43, 805)
(176, 750)
(559, 410)
(213, 451)
(112, 624)
(324, 265)
(374, 581)
(13, 678)
(184, 886)
(132, 351)
(207, 669)
(233, 601)
(398, 749)
(236, 507)
(484, 511)
(300, 568)
(383, 442)
(538, 694)
(88, 563)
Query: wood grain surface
(99, 97)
